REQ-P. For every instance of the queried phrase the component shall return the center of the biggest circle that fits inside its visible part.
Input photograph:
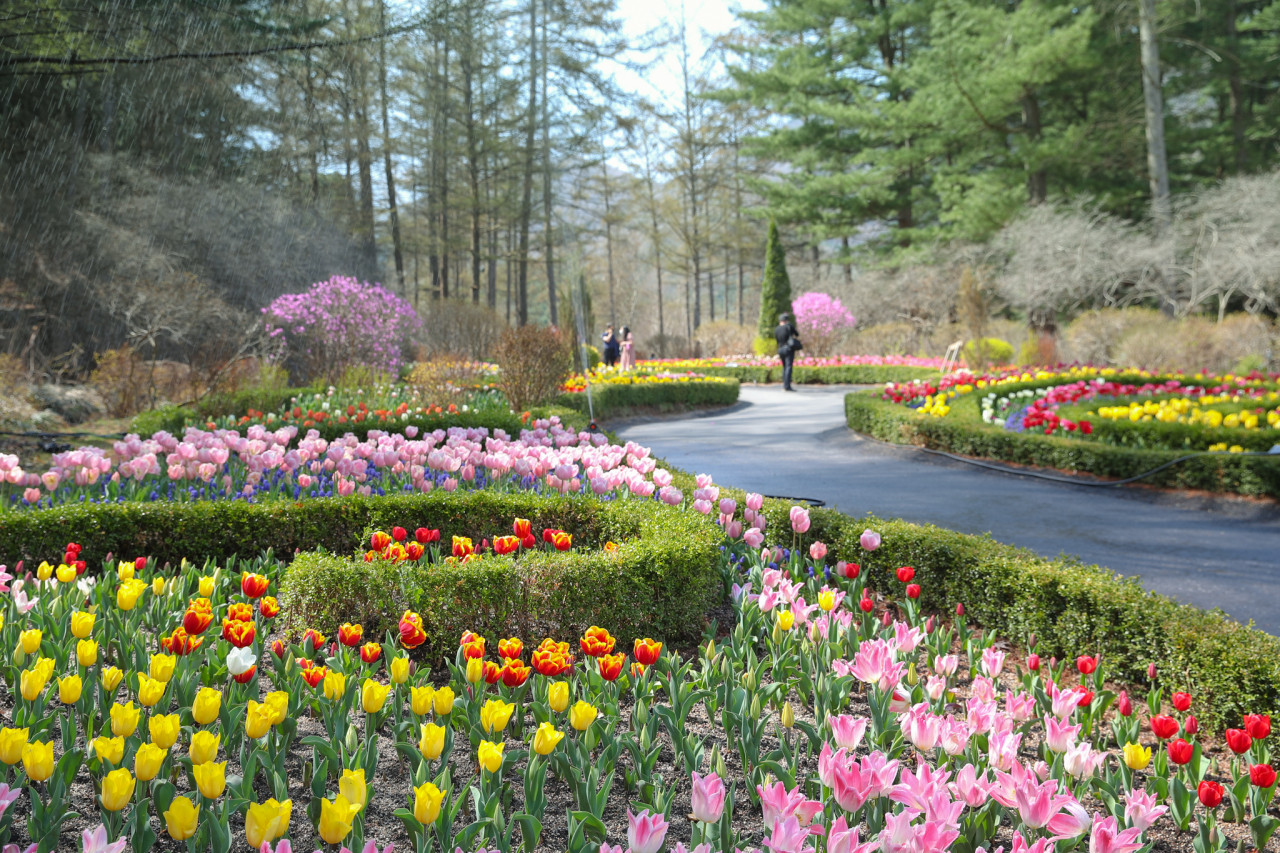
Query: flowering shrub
(339, 324)
(838, 715)
(820, 318)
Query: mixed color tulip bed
(642, 375)
(154, 707)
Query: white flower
(240, 661)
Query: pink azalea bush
(341, 323)
(820, 318)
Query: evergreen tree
(775, 294)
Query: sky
(706, 18)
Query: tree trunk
(1153, 102)
(526, 191)
(547, 232)
(393, 212)
(1236, 89)
(466, 58)
(443, 207)
(656, 237)
(608, 240)
(1037, 179)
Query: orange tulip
(596, 642)
(611, 665)
(647, 651)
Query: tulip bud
(1033, 662)
(755, 709)
(749, 680)
(1151, 671)
(1191, 726)
(960, 609)
(788, 715)
(928, 625)
(1124, 704)
(912, 678)
(887, 619)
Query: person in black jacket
(788, 345)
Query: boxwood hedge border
(845, 374)
(615, 401)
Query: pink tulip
(799, 519)
(1141, 811)
(870, 540)
(847, 731)
(31, 495)
(1059, 736)
(708, 797)
(645, 832)
(992, 662)
(754, 501)
(787, 836)
(1107, 837)
(818, 550)
(753, 537)
(842, 838)
(728, 506)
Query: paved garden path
(1213, 553)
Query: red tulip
(611, 665)
(399, 534)
(1191, 725)
(596, 642)
(562, 541)
(379, 541)
(865, 604)
(1086, 699)
(913, 590)
(426, 536)
(906, 573)
(514, 673)
(492, 672)
(511, 647)
(1086, 664)
(238, 634)
(350, 635)
(314, 675)
(1258, 726)
(370, 652)
(139, 563)
(268, 607)
(73, 548)
(1164, 727)
(1238, 740)
(197, 618)
(414, 550)
(505, 544)
(960, 609)
(1033, 662)
(1262, 775)
(253, 586)
(1151, 672)
(246, 676)
(522, 528)
(1210, 794)
(647, 651)
(411, 633)
(1124, 704)
(316, 639)
(1182, 701)
(278, 649)
(1180, 751)
(851, 570)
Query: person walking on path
(788, 345)
(628, 351)
(610, 346)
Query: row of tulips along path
(158, 711)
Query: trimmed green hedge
(1071, 608)
(660, 582)
(888, 421)
(616, 400)
(851, 374)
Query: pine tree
(775, 295)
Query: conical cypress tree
(775, 295)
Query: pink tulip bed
(154, 708)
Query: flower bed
(615, 393)
(834, 713)
(836, 370)
(264, 465)
(1101, 421)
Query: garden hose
(1075, 481)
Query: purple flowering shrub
(820, 318)
(342, 323)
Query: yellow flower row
(1185, 411)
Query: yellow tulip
(164, 729)
(444, 700)
(475, 670)
(373, 696)
(37, 760)
(124, 719)
(426, 803)
(82, 624)
(150, 691)
(12, 742)
(117, 789)
(127, 594)
(126, 570)
(399, 670)
(162, 666)
(207, 704)
(69, 689)
(147, 761)
(44, 571)
(111, 678)
(495, 715)
(786, 619)
(211, 778)
(335, 685)
(44, 667)
(206, 586)
(336, 818)
(827, 599)
(87, 652)
(490, 755)
(788, 716)
(157, 586)
(265, 822)
(257, 720)
(546, 739)
(110, 749)
(1136, 757)
(30, 640)
(558, 696)
(65, 573)
(582, 715)
(204, 747)
(32, 684)
(278, 702)
(352, 786)
(431, 744)
(421, 699)
(181, 819)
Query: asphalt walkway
(1206, 551)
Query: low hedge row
(618, 400)
(849, 374)
(660, 582)
(1070, 608)
(174, 419)
(888, 421)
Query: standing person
(610, 346)
(788, 345)
(628, 351)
